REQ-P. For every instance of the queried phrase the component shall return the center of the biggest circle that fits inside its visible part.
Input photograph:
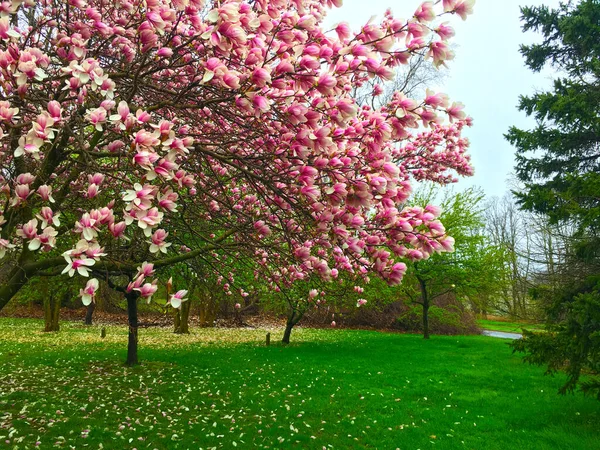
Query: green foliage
(450, 319)
(572, 342)
(226, 389)
(559, 162)
(472, 272)
(63, 288)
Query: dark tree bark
(13, 281)
(207, 308)
(176, 320)
(89, 314)
(425, 304)
(237, 318)
(132, 313)
(293, 319)
(184, 317)
(51, 313)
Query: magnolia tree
(137, 134)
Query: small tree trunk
(51, 313)
(292, 320)
(287, 333)
(184, 317)
(207, 311)
(90, 313)
(176, 320)
(14, 281)
(47, 314)
(425, 303)
(426, 321)
(132, 345)
(237, 317)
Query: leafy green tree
(559, 162)
(471, 272)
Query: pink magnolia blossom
(146, 270)
(140, 196)
(157, 242)
(449, 4)
(455, 111)
(425, 12)
(97, 117)
(444, 31)
(92, 191)
(5, 246)
(261, 77)
(463, 8)
(147, 290)
(262, 228)
(25, 178)
(45, 192)
(55, 110)
(96, 179)
(22, 192)
(89, 292)
(47, 216)
(79, 265)
(86, 226)
(232, 124)
(94, 251)
(177, 298)
(136, 283)
(117, 229)
(29, 231)
(148, 219)
(167, 200)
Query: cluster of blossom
(141, 121)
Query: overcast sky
(487, 75)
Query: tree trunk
(176, 320)
(237, 317)
(89, 314)
(207, 308)
(16, 279)
(51, 311)
(292, 320)
(132, 345)
(184, 316)
(425, 303)
(426, 321)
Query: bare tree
(411, 79)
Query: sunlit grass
(330, 388)
(508, 327)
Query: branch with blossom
(229, 123)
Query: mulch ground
(146, 319)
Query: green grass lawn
(508, 327)
(332, 389)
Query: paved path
(501, 334)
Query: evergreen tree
(559, 163)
